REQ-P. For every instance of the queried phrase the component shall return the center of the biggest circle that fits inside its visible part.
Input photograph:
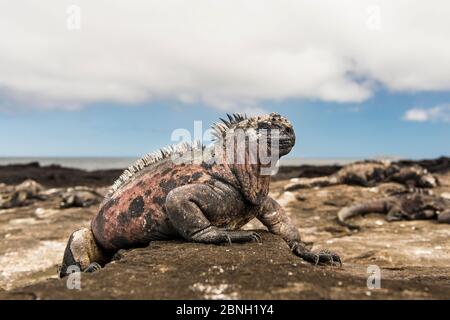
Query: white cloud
(418, 115)
(435, 114)
(226, 54)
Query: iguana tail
(376, 206)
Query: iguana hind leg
(188, 206)
(216, 235)
(82, 252)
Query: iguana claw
(93, 267)
(322, 257)
(257, 237)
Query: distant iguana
(206, 201)
(369, 173)
(22, 195)
(403, 206)
(79, 197)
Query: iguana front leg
(273, 216)
(188, 207)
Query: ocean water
(85, 163)
(98, 163)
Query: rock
(286, 198)
(42, 213)
(445, 195)
(305, 171)
(181, 270)
(439, 165)
(56, 176)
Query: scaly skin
(23, 194)
(409, 206)
(368, 174)
(199, 202)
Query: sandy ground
(413, 256)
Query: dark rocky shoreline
(55, 176)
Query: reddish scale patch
(136, 213)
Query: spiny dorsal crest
(152, 158)
(241, 121)
(220, 129)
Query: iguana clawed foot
(243, 236)
(217, 235)
(93, 267)
(321, 257)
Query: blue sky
(358, 78)
(371, 128)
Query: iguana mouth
(429, 181)
(286, 142)
(286, 145)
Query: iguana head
(273, 128)
(427, 180)
(420, 205)
(250, 148)
(417, 176)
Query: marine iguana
(369, 173)
(402, 206)
(23, 194)
(204, 201)
(79, 197)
